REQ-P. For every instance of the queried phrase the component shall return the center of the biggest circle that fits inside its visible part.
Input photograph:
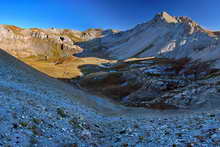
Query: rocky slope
(46, 43)
(40, 111)
(154, 82)
(181, 73)
(163, 36)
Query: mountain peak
(188, 20)
(164, 16)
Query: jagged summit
(164, 16)
(168, 18)
(163, 36)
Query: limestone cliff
(45, 43)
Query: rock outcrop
(163, 36)
(46, 43)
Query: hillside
(163, 36)
(36, 109)
(45, 43)
(40, 111)
(49, 50)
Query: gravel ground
(27, 120)
(36, 110)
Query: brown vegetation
(62, 68)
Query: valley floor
(36, 110)
(66, 68)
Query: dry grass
(35, 30)
(14, 29)
(213, 33)
(11, 27)
(72, 36)
(140, 59)
(68, 68)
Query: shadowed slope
(19, 76)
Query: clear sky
(116, 14)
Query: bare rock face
(163, 36)
(48, 43)
(164, 16)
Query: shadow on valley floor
(151, 82)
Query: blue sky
(116, 14)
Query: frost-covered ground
(36, 110)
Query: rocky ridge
(164, 36)
(47, 43)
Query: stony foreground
(29, 119)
